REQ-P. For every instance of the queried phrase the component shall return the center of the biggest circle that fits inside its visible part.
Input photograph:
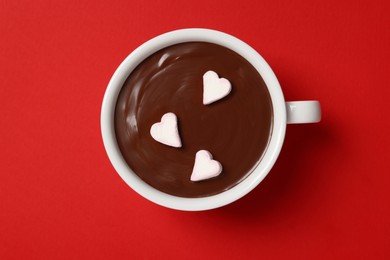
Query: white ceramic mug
(283, 113)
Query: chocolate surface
(236, 129)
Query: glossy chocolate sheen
(236, 129)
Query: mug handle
(301, 112)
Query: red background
(326, 198)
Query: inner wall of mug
(149, 48)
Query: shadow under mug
(283, 113)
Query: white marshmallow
(166, 131)
(214, 88)
(205, 167)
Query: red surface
(326, 198)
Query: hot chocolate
(236, 129)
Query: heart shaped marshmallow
(214, 88)
(205, 167)
(166, 131)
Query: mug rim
(259, 171)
